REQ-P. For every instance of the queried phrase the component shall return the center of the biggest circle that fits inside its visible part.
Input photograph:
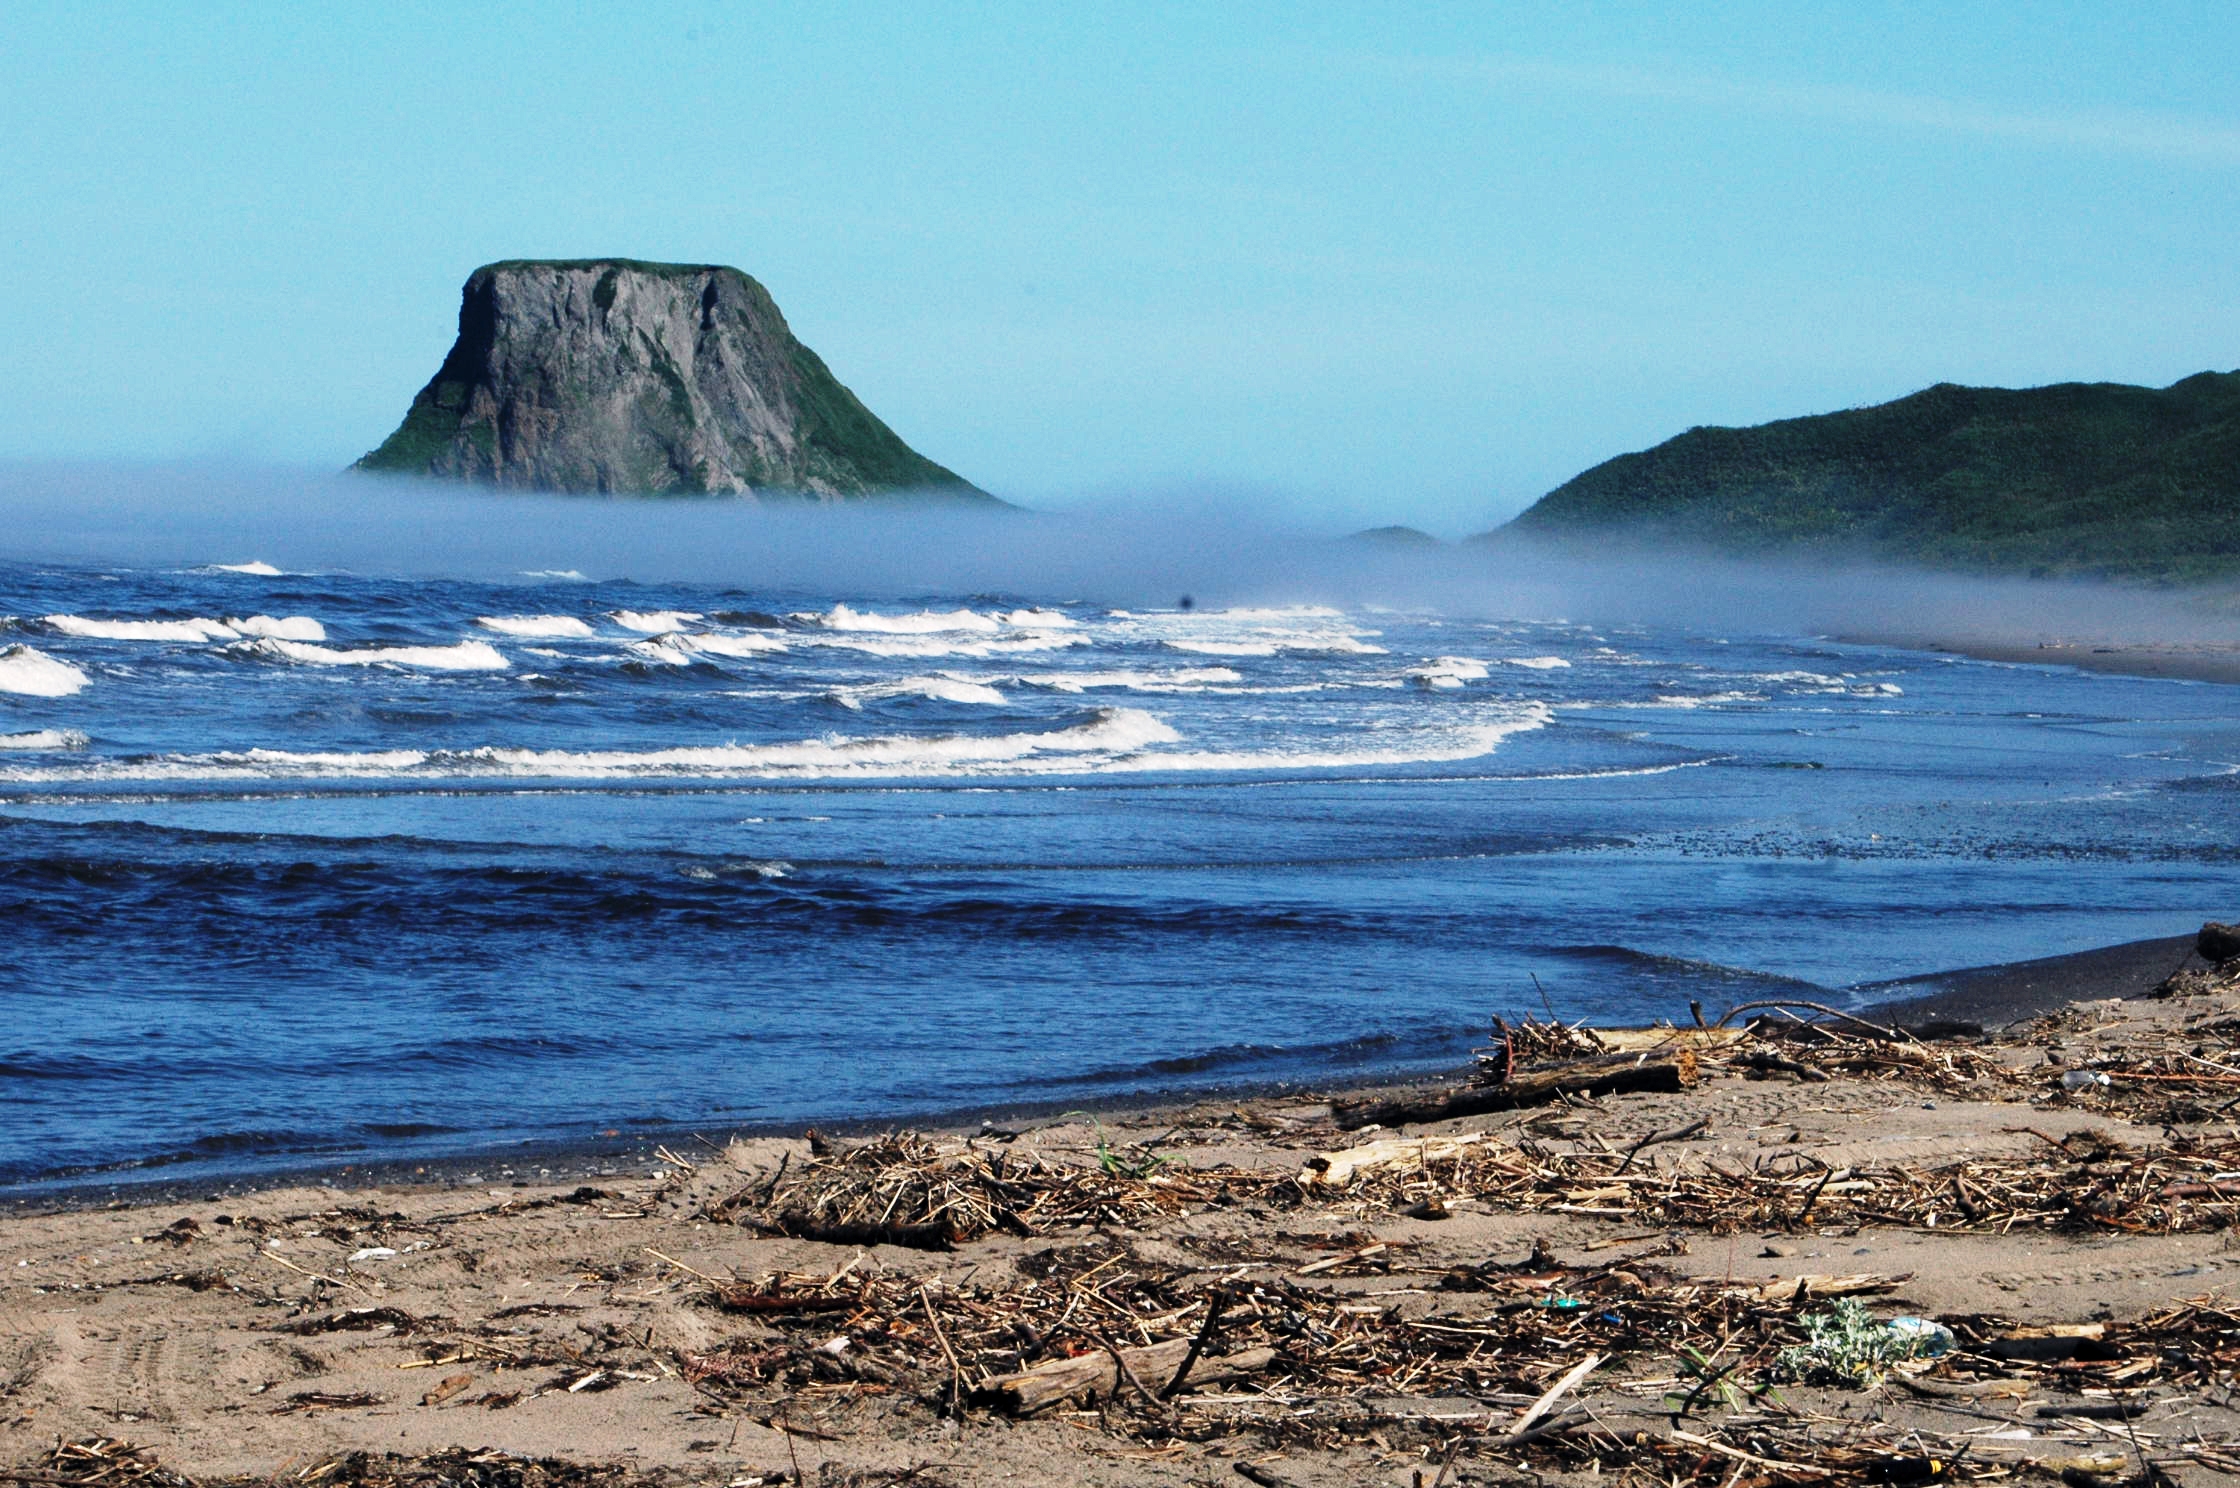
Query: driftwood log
(1098, 1376)
(1600, 1074)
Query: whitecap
(924, 646)
(653, 622)
(921, 622)
(679, 649)
(732, 643)
(941, 689)
(50, 739)
(466, 656)
(254, 568)
(1250, 645)
(1440, 746)
(142, 630)
(535, 625)
(281, 627)
(1224, 648)
(36, 674)
(1448, 672)
(1107, 736)
(572, 575)
(1177, 679)
(1536, 663)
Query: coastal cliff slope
(2078, 478)
(613, 375)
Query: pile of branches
(2084, 1182)
(1819, 1051)
(907, 1189)
(1651, 1376)
(109, 1463)
(1092, 1300)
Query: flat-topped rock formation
(612, 375)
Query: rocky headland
(623, 377)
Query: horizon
(1355, 273)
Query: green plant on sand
(1847, 1347)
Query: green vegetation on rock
(2096, 479)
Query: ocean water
(325, 866)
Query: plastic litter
(1929, 1340)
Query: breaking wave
(466, 656)
(276, 627)
(33, 673)
(538, 626)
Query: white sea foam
(36, 674)
(1705, 700)
(679, 649)
(1269, 645)
(922, 622)
(1107, 737)
(1447, 672)
(281, 627)
(1176, 679)
(466, 656)
(1046, 619)
(1536, 663)
(49, 739)
(253, 567)
(278, 627)
(570, 574)
(1225, 648)
(654, 622)
(534, 625)
(943, 689)
(918, 647)
(142, 630)
(1422, 747)
(736, 643)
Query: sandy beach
(2191, 661)
(1294, 1297)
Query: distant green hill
(2077, 478)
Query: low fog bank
(1218, 550)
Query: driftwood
(2217, 942)
(1663, 1040)
(1601, 1074)
(1101, 1376)
(1337, 1169)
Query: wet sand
(2192, 661)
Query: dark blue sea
(330, 866)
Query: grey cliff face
(610, 375)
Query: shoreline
(2173, 661)
(1372, 1302)
(1994, 995)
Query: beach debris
(1103, 1375)
(2218, 943)
(1335, 1170)
(909, 1189)
(1587, 1075)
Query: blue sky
(1362, 264)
